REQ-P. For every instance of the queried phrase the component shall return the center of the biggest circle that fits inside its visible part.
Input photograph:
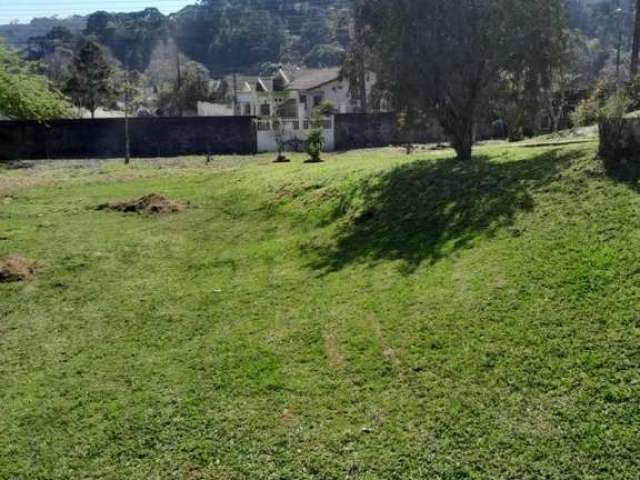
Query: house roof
(247, 83)
(306, 79)
(311, 78)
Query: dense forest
(223, 35)
(252, 36)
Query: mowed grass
(377, 316)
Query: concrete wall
(293, 133)
(336, 92)
(207, 109)
(619, 146)
(355, 130)
(150, 137)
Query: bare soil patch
(150, 205)
(14, 268)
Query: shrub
(326, 107)
(616, 106)
(601, 106)
(314, 144)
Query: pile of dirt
(16, 269)
(152, 204)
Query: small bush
(616, 106)
(314, 144)
(326, 107)
(601, 106)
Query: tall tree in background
(90, 84)
(538, 72)
(176, 97)
(443, 57)
(635, 50)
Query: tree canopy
(90, 82)
(25, 95)
(444, 57)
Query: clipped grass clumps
(14, 268)
(149, 205)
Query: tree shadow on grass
(627, 172)
(426, 210)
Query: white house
(283, 103)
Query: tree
(443, 57)
(24, 95)
(90, 82)
(635, 51)
(325, 55)
(314, 143)
(55, 52)
(183, 95)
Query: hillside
(18, 35)
(238, 35)
(254, 36)
(375, 316)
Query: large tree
(444, 57)
(90, 84)
(25, 95)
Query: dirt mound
(16, 269)
(152, 204)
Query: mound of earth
(152, 204)
(16, 269)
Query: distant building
(285, 95)
(284, 102)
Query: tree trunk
(462, 143)
(461, 133)
(635, 51)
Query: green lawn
(377, 316)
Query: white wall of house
(336, 92)
(206, 109)
(292, 130)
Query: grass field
(377, 316)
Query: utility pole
(179, 81)
(362, 74)
(360, 63)
(174, 31)
(619, 14)
(127, 88)
(635, 51)
(127, 140)
(235, 94)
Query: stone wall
(104, 138)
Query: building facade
(283, 104)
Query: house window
(265, 110)
(317, 100)
(303, 99)
(247, 109)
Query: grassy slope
(376, 316)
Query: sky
(25, 10)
